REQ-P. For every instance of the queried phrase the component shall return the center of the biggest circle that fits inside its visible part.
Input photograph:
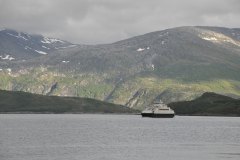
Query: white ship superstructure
(159, 110)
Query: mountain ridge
(173, 64)
(23, 46)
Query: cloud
(105, 21)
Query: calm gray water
(117, 137)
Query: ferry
(158, 110)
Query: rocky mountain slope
(15, 46)
(173, 64)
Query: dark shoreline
(208, 115)
(101, 113)
(69, 113)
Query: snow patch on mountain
(9, 70)
(140, 49)
(163, 35)
(73, 45)
(217, 38)
(18, 36)
(41, 52)
(50, 40)
(45, 47)
(12, 35)
(210, 38)
(153, 67)
(26, 47)
(7, 57)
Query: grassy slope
(99, 87)
(27, 102)
(208, 104)
(177, 89)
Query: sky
(107, 21)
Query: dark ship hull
(154, 115)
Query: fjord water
(117, 137)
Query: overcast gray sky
(106, 21)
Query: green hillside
(33, 103)
(134, 91)
(173, 65)
(208, 104)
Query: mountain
(15, 46)
(208, 104)
(173, 65)
(22, 102)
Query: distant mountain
(173, 65)
(16, 45)
(183, 53)
(21, 102)
(208, 104)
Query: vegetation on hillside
(33, 103)
(135, 92)
(208, 104)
